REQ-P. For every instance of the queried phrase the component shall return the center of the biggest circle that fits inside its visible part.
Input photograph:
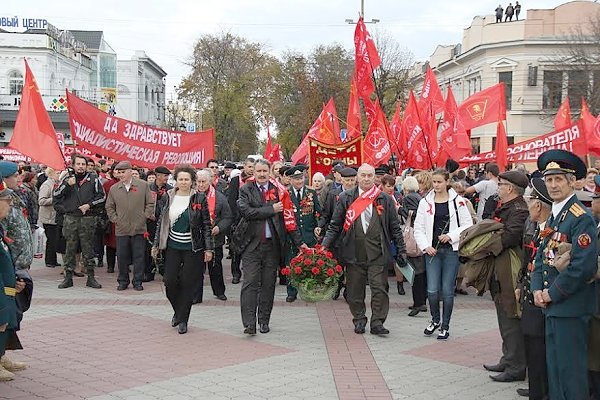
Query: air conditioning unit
(532, 74)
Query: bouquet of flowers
(315, 273)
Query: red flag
(275, 154)
(369, 109)
(34, 134)
(482, 108)
(396, 128)
(326, 129)
(587, 123)
(353, 119)
(563, 115)
(376, 146)
(431, 95)
(455, 144)
(414, 144)
(501, 146)
(366, 59)
(269, 145)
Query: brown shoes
(11, 366)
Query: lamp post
(362, 14)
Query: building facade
(141, 90)
(531, 56)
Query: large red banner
(570, 139)
(322, 155)
(144, 146)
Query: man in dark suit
(260, 204)
(218, 183)
(233, 194)
(306, 212)
(220, 217)
(364, 224)
(568, 297)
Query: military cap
(162, 170)
(540, 191)
(8, 168)
(229, 165)
(282, 169)
(596, 194)
(556, 162)
(4, 190)
(516, 178)
(381, 170)
(296, 171)
(123, 165)
(348, 172)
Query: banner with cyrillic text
(321, 155)
(570, 139)
(144, 146)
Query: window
(108, 71)
(510, 140)
(15, 83)
(506, 77)
(578, 87)
(475, 144)
(552, 90)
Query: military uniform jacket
(307, 211)
(532, 318)
(8, 305)
(571, 291)
(345, 240)
(18, 234)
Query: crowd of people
(508, 13)
(375, 222)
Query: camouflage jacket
(30, 198)
(18, 234)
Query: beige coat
(47, 214)
(130, 210)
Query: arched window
(15, 82)
(146, 94)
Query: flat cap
(516, 178)
(339, 166)
(348, 172)
(8, 168)
(381, 170)
(229, 165)
(540, 191)
(558, 162)
(123, 165)
(162, 170)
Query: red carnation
(318, 246)
(338, 268)
(298, 270)
(146, 235)
(315, 270)
(330, 272)
(320, 263)
(285, 271)
(329, 254)
(307, 261)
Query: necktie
(366, 217)
(263, 192)
(299, 194)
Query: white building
(141, 90)
(526, 55)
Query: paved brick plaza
(103, 344)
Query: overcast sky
(167, 29)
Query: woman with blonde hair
(424, 179)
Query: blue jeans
(441, 277)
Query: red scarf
(211, 199)
(289, 218)
(215, 181)
(359, 205)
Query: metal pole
(362, 8)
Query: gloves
(401, 260)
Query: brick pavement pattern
(104, 344)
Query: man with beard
(79, 197)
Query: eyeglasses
(214, 167)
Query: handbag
(408, 234)
(239, 237)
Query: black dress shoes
(174, 321)
(139, 288)
(250, 330)
(121, 287)
(290, 299)
(182, 328)
(359, 327)
(379, 330)
(264, 328)
(148, 278)
(196, 301)
(221, 297)
(523, 392)
(494, 367)
(235, 280)
(508, 377)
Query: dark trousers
(111, 257)
(215, 273)
(357, 276)
(3, 338)
(258, 287)
(595, 384)
(566, 357)
(535, 354)
(99, 246)
(183, 270)
(130, 251)
(148, 262)
(513, 345)
(236, 260)
(419, 290)
(51, 238)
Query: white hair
(318, 175)
(410, 184)
(204, 172)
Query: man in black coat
(220, 216)
(218, 183)
(364, 224)
(159, 189)
(260, 204)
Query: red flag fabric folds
(376, 146)
(414, 143)
(431, 95)
(34, 134)
(563, 115)
(269, 145)
(326, 129)
(454, 144)
(353, 119)
(501, 146)
(366, 59)
(485, 107)
(587, 123)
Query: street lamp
(362, 14)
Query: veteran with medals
(567, 293)
(594, 340)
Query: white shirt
(367, 211)
(557, 207)
(485, 189)
(127, 185)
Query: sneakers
(443, 335)
(6, 375)
(10, 365)
(432, 327)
